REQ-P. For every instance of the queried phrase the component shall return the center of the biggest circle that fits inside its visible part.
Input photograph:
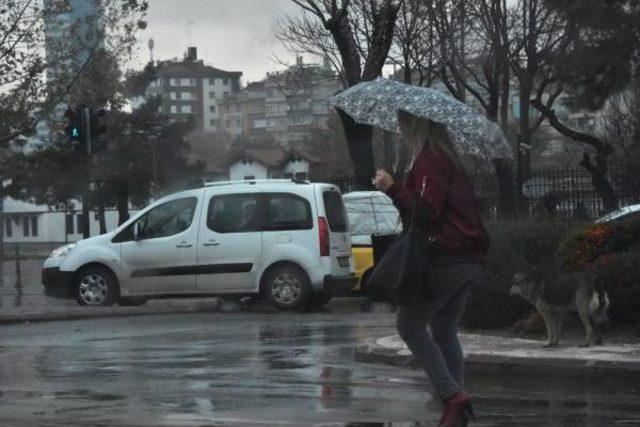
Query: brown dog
(554, 296)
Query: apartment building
(192, 88)
(286, 106)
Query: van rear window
(336, 214)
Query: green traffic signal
(75, 125)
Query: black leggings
(439, 352)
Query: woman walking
(452, 218)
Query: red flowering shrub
(581, 249)
(612, 251)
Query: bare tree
(621, 123)
(414, 46)
(473, 41)
(361, 35)
(29, 88)
(304, 34)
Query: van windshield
(336, 214)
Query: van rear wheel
(287, 288)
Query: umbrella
(377, 103)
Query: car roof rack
(255, 181)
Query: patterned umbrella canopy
(377, 103)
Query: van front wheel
(287, 288)
(96, 286)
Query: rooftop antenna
(151, 45)
(190, 24)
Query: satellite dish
(536, 188)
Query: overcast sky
(234, 35)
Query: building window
(212, 108)
(173, 95)
(173, 82)
(185, 95)
(212, 81)
(34, 226)
(79, 224)
(212, 94)
(174, 109)
(8, 227)
(25, 226)
(193, 82)
(185, 109)
(225, 81)
(69, 224)
(225, 94)
(213, 122)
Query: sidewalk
(494, 354)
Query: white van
(287, 241)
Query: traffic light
(97, 128)
(75, 125)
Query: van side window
(288, 212)
(167, 219)
(234, 214)
(336, 214)
(164, 220)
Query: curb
(217, 305)
(488, 363)
(99, 313)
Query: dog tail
(598, 307)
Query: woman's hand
(383, 180)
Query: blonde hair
(426, 134)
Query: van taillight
(324, 236)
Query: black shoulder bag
(401, 276)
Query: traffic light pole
(86, 223)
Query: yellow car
(369, 212)
(363, 256)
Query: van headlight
(63, 251)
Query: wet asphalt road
(258, 368)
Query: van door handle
(184, 245)
(211, 243)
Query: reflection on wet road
(20, 286)
(258, 369)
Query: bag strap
(415, 202)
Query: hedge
(515, 246)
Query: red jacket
(453, 212)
